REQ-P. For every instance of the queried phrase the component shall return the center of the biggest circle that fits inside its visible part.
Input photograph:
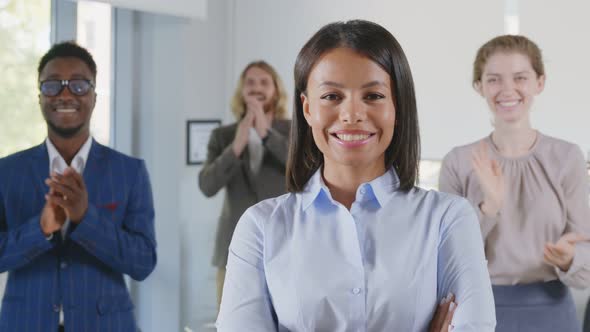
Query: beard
(64, 132)
(271, 104)
(268, 104)
(269, 107)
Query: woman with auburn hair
(247, 158)
(355, 246)
(530, 192)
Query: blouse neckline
(526, 155)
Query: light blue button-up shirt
(303, 262)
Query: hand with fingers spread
(490, 178)
(443, 317)
(243, 131)
(561, 254)
(69, 192)
(261, 123)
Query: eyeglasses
(78, 87)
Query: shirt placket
(59, 166)
(358, 290)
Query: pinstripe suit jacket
(84, 273)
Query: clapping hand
(68, 191)
(241, 139)
(52, 217)
(561, 254)
(261, 123)
(490, 178)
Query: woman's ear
(477, 86)
(540, 83)
(305, 104)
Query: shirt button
(363, 191)
(63, 265)
(56, 308)
(356, 291)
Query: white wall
(172, 69)
(207, 97)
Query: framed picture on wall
(197, 138)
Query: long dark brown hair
(376, 43)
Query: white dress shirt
(304, 262)
(255, 150)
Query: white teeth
(509, 103)
(352, 137)
(65, 110)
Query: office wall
(172, 69)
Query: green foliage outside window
(24, 37)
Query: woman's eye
(521, 78)
(330, 96)
(374, 96)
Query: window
(94, 33)
(511, 19)
(24, 36)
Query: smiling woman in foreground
(355, 246)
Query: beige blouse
(547, 196)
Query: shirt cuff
(574, 268)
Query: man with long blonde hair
(248, 157)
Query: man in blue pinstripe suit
(74, 215)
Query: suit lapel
(93, 170)
(250, 177)
(40, 168)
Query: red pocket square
(110, 206)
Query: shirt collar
(312, 189)
(380, 189)
(57, 162)
(384, 186)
